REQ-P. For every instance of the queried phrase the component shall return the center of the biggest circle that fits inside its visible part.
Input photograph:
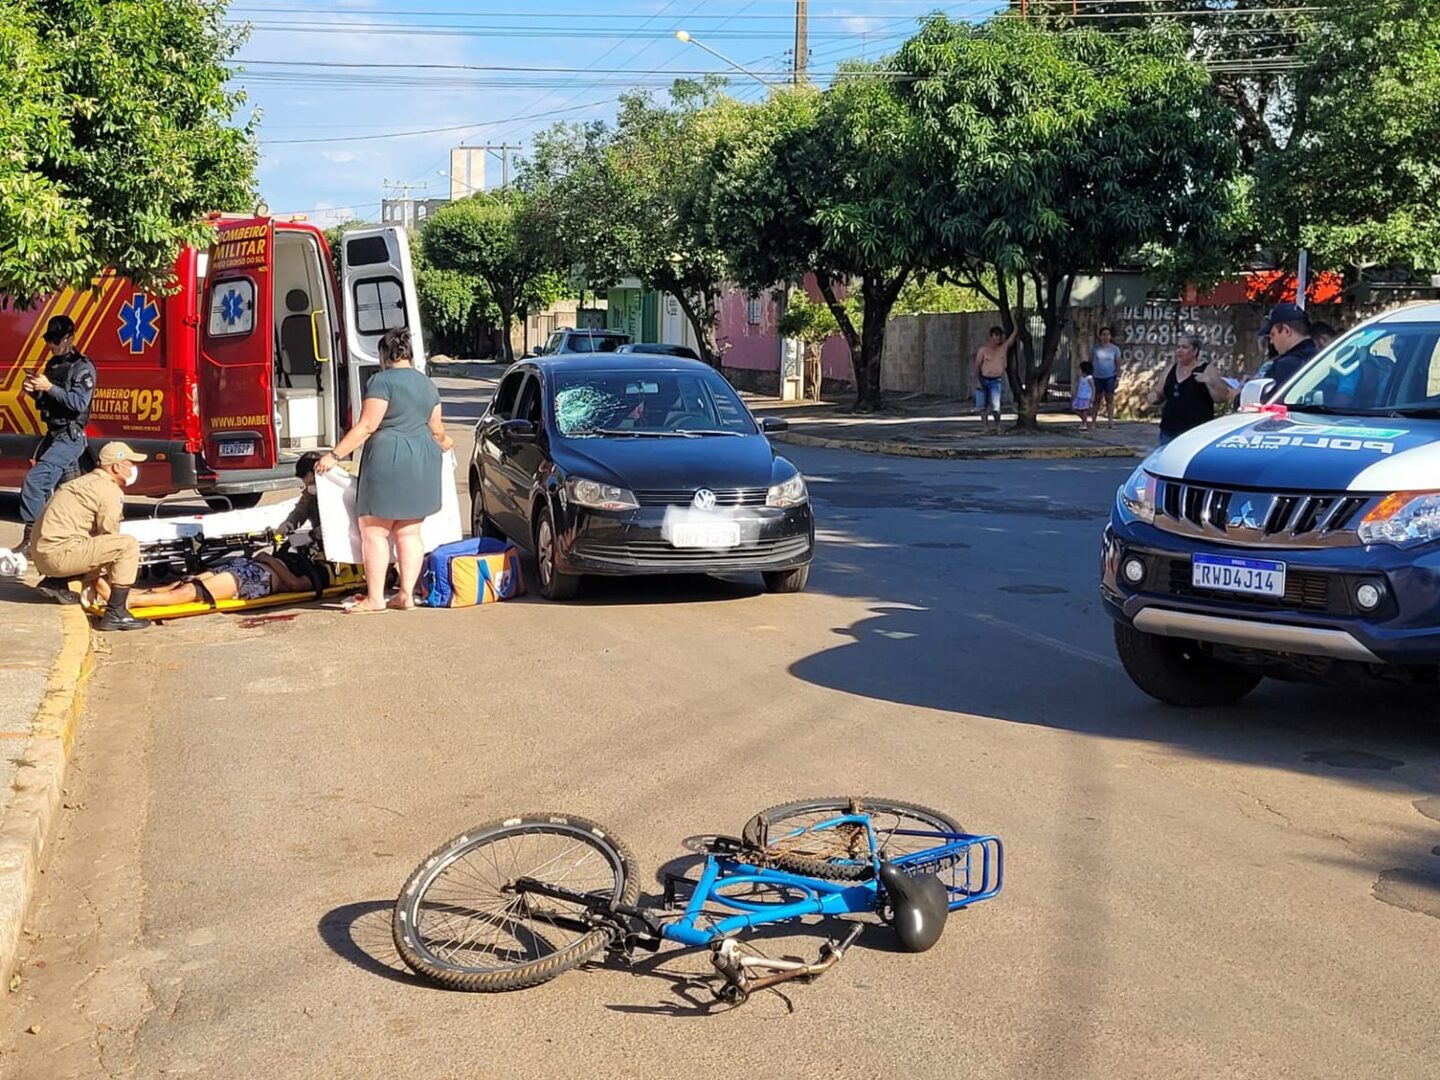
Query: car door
(490, 450)
(521, 460)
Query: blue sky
(330, 77)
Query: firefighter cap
(112, 453)
(58, 329)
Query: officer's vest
(59, 417)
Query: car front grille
(659, 553)
(686, 496)
(1305, 590)
(1260, 519)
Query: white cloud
(859, 24)
(341, 157)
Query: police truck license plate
(237, 448)
(717, 534)
(1258, 577)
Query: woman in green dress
(400, 470)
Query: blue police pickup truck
(1298, 539)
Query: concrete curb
(25, 829)
(900, 449)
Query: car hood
(1305, 452)
(714, 461)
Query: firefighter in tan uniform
(78, 533)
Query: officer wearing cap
(62, 393)
(1288, 328)
(78, 533)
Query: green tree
(814, 324)
(493, 239)
(117, 138)
(830, 184)
(1058, 153)
(620, 202)
(1358, 180)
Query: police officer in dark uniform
(62, 393)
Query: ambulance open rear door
(237, 349)
(379, 284)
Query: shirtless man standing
(990, 363)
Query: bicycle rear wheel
(460, 922)
(842, 852)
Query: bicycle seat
(920, 905)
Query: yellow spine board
(346, 578)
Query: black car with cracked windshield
(634, 464)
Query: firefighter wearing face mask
(78, 534)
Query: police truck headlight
(1137, 495)
(1404, 519)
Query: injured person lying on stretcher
(241, 577)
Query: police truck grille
(1260, 518)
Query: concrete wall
(935, 354)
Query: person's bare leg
(375, 550)
(409, 555)
(220, 585)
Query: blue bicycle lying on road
(513, 903)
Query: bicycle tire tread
(754, 833)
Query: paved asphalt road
(1190, 894)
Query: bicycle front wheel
(787, 836)
(461, 922)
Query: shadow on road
(360, 933)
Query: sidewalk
(45, 660)
(928, 427)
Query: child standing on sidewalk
(1084, 400)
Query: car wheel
(1179, 672)
(787, 581)
(480, 522)
(553, 585)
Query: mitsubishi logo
(1249, 516)
(704, 499)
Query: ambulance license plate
(237, 448)
(1224, 573)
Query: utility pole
(504, 151)
(802, 48)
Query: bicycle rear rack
(972, 868)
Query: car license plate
(716, 534)
(1258, 577)
(237, 448)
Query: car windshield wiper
(1418, 411)
(1324, 410)
(640, 434)
(707, 431)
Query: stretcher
(177, 547)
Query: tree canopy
(118, 137)
(1061, 153)
(491, 238)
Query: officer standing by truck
(62, 393)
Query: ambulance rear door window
(232, 308)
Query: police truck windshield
(1381, 370)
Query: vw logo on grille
(704, 499)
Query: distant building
(467, 171)
(411, 213)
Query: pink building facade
(751, 349)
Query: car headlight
(788, 492)
(1404, 519)
(598, 496)
(1137, 495)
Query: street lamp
(684, 35)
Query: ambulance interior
(307, 390)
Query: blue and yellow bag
(470, 572)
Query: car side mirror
(1254, 393)
(772, 424)
(518, 430)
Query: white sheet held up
(341, 527)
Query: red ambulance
(259, 355)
